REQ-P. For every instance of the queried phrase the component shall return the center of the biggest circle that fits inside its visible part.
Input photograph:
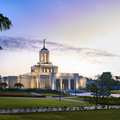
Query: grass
(112, 114)
(75, 98)
(49, 94)
(15, 103)
(115, 92)
(15, 92)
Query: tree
(0, 48)
(4, 85)
(106, 80)
(18, 85)
(89, 79)
(0, 77)
(117, 77)
(93, 85)
(5, 24)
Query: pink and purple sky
(83, 36)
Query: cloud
(34, 45)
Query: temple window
(79, 84)
(47, 70)
(44, 69)
(51, 70)
(45, 57)
(63, 86)
(44, 84)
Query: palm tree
(4, 85)
(0, 48)
(5, 24)
(18, 85)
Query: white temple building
(45, 75)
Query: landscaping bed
(8, 95)
(103, 100)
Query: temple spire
(43, 43)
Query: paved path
(72, 100)
(62, 98)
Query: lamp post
(29, 87)
(20, 82)
(87, 84)
(75, 88)
(96, 89)
(96, 93)
(60, 89)
(30, 80)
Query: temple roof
(44, 48)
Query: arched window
(47, 70)
(79, 84)
(45, 57)
(51, 70)
(44, 85)
(63, 86)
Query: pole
(30, 80)
(75, 88)
(117, 84)
(29, 87)
(96, 93)
(60, 90)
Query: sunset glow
(82, 35)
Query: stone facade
(45, 75)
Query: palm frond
(5, 23)
(0, 48)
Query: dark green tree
(18, 85)
(5, 24)
(93, 85)
(4, 85)
(117, 77)
(0, 48)
(106, 80)
(89, 79)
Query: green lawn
(49, 94)
(34, 102)
(15, 92)
(115, 92)
(75, 98)
(112, 114)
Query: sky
(82, 36)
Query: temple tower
(44, 54)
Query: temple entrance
(72, 84)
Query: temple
(45, 75)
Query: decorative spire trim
(43, 43)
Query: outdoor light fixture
(75, 88)
(60, 89)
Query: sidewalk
(71, 100)
(59, 98)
